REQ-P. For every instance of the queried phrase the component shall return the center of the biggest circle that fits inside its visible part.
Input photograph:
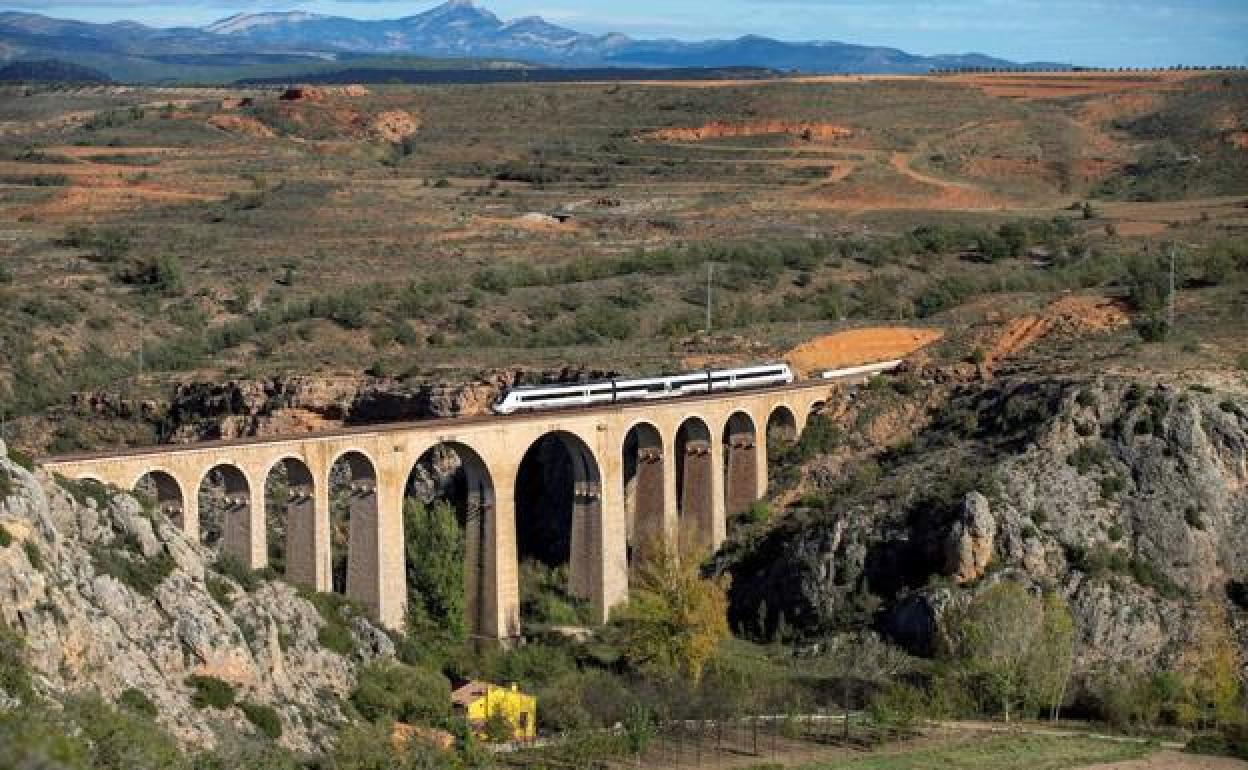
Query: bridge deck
(445, 422)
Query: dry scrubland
(407, 229)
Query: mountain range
(458, 29)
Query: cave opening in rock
(558, 510)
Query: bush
(337, 612)
(265, 719)
(210, 692)
(1228, 741)
(33, 554)
(137, 702)
(14, 677)
(120, 739)
(221, 590)
(130, 567)
(388, 690)
(6, 486)
(898, 705)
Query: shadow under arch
(165, 491)
(782, 426)
(225, 520)
(644, 462)
(290, 520)
(695, 489)
(354, 538)
(741, 459)
(455, 474)
(558, 497)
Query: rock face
(1130, 500)
(971, 540)
(110, 597)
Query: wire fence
(711, 743)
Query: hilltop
(255, 45)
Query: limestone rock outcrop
(1130, 499)
(110, 596)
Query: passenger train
(533, 398)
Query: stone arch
(695, 490)
(354, 537)
(165, 491)
(225, 515)
(558, 498)
(782, 426)
(741, 461)
(645, 503)
(455, 473)
(290, 520)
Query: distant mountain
(50, 71)
(456, 29)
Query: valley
(308, 266)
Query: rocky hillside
(1126, 498)
(112, 599)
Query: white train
(861, 372)
(538, 397)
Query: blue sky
(1098, 32)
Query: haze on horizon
(1091, 32)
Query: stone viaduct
(690, 462)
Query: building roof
(469, 692)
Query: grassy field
(1013, 752)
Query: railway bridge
(668, 471)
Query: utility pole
(1170, 310)
(710, 277)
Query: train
(542, 397)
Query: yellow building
(476, 702)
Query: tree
(1016, 646)
(1210, 667)
(1054, 661)
(676, 618)
(435, 567)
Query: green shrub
(5, 538)
(6, 483)
(265, 718)
(221, 590)
(1115, 532)
(1089, 456)
(119, 739)
(898, 705)
(130, 567)
(210, 692)
(33, 554)
(22, 459)
(248, 579)
(389, 690)
(14, 676)
(337, 612)
(83, 490)
(137, 702)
